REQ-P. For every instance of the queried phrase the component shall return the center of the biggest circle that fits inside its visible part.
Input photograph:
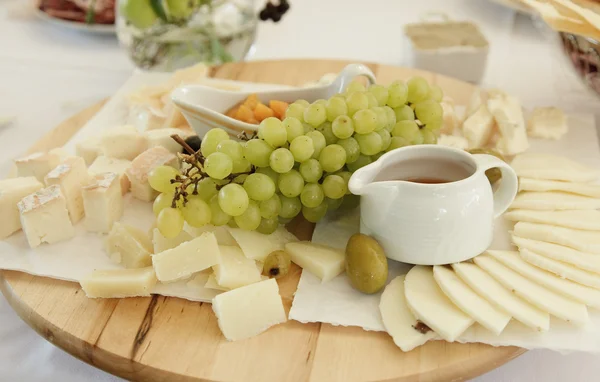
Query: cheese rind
(553, 200)
(250, 310)
(162, 138)
(11, 192)
(88, 149)
(71, 175)
(322, 261)
(578, 219)
(104, 164)
(547, 123)
(552, 167)
(162, 243)
(122, 142)
(119, 283)
(37, 164)
(235, 270)
(141, 167)
(257, 246)
(582, 260)
(128, 246)
(102, 202)
(585, 241)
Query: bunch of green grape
(300, 165)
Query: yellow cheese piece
(235, 270)
(552, 167)
(257, 246)
(162, 243)
(586, 241)
(578, 219)
(119, 283)
(223, 236)
(323, 262)
(583, 260)
(585, 189)
(128, 246)
(211, 283)
(553, 200)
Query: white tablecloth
(48, 73)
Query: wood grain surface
(170, 339)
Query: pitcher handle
(509, 185)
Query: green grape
(307, 128)
(362, 161)
(161, 202)
(232, 149)
(350, 202)
(333, 204)
(218, 165)
(313, 215)
(258, 152)
(321, 102)
(382, 118)
(169, 222)
(286, 220)
(268, 226)
(352, 149)
(370, 144)
(418, 140)
(259, 186)
(139, 13)
(372, 100)
(356, 101)
(206, 189)
(233, 199)
(196, 212)
(334, 186)
(315, 114)
(435, 93)
(268, 171)
(291, 183)
(311, 170)
(293, 127)
(250, 219)
(404, 113)
(211, 140)
(231, 223)
(365, 121)
(335, 107)
(406, 129)
(332, 158)
(397, 142)
(327, 131)
(391, 118)
(270, 208)
(218, 216)
(241, 165)
(429, 137)
(296, 110)
(160, 178)
(386, 138)
(381, 94)
(346, 176)
(302, 102)
(435, 126)
(290, 207)
(273, 132)
(312, 195)
(319, 142)
(429, 112)
(418, 89)
(343, 127)
(240, 179)
(355, 86)
(281, 160)
(302, 148)
(398, 94)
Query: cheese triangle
(586, 241)
(585, 189)
(554, 200)
(583, 260)
(551, 167)
(578, 219)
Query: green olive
(277, 264)
(366, 264)
(493, 174)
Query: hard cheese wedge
(494, 292)
(585, 189)
(223, 236)
(582, 260)
(257, 246)
(250, 310)
(430, 305)
(119, 283)
(553, 200)
(235, 270)
(486, 314)
(562, 269)
(578, 219)
(211, 283)
(577, 292)
(551, 167)
(586, 241)
(323, 262)
(162, 243)
(537, 295)
(398, 320)
(128, 246)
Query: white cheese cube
(119, 283)
(162, 137)
(508, 114)
(235, 270)
(102, 202)
(37, 164)
(161, 243)
(141, 167)
(11, 192)
(186, 259)
(547, 123)
(248, 311)
(104, 164)
(123, 142)
(88, 149)
(322, 261)
(45, 218)
(71, 175)
(128, 246)
(479, 127)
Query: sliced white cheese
(554, 200)
(453, 141)
(128, 246)
(467, 300)
(162, 243)
(430, 305)
(399, 322)
(235, 270)
(551, 167)
(257, 246)
(322, 261)
(547, 123)
(11, 192)
(583, 260)
(221, 233)
(578, 219)
(553, 303)
(575, 291)
(479, 127)
(211, 283)
(478, 98)
(248, 311)
(585, 189)
(585, 241)
(509, 118)
(119, 283)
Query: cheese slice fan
(430, 305)
(586, 241)
(551, 167)
(563, 270)
(585, 189)
(575, 291)
(583, 260)
(469, 301)
(484, 284)
(553, 303)
(398, 320)
(554, 200)
(578, 219)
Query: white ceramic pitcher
(432, 224)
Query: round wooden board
(171, 339)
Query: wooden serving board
(171, 339)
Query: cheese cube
(186, 259)
(123, 142)
(235, 270)
(161, 243)
(88, 149)
(479, 127)
(11, 192)
(162, 137)
(71, 175)
(119, 283)
(547, 123)
(102, 202)
(141, 167)
(508, 114)
(104, 164)
(248, 311)
(322, 261)
(128, 246)
(45, 218)
(37, 164)
(211, 283)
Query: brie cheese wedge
(554, 200)
(585, 241)
(11, 192)
(583, 260)
(141, 167)
(511, 125)
(551, 167)
(585, 189)
(578, 219)
(37, 164)
(547, 123)
(71, 175)
(235, 270)
(104, 164)
(478, 128)
(102, 202)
